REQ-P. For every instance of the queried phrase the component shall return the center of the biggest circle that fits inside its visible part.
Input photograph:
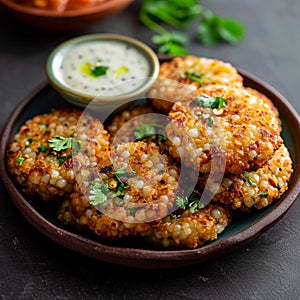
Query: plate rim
(145, 258)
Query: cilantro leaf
(42, 148)
(98, 194)
(192, 202)
(210, 102)
(171, 43)
(98, 71)
(213, 29)
(263, 195)
(195, 76)
(59, 143)
(219, 102)
(159, 14)
(230, 30)
(20, 160)
(182, 202)
(248, 180)
(147, 130)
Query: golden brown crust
(255, 189)
(42, 171)
(245, 133)
(174, 84)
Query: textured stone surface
(34, 267)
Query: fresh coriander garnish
(20, 160)
(147, 130)
(158, 15)
(246, 175)
(214, 29)
(98, 71)
(61, 159)
(195, 76)
(210, 102)
(98, 194)
(263, 195)
(42, 148)
(219, 102)
(30, 141)
(278, 186)
(59, 143)
(182, 202)
(210, 121)
(119, 174)
(47, 132)
(193, 203)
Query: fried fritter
(223, 125)
(179, 78)
(42, 170)
(191, 230)
(188, 230)
(256, 189)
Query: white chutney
(123, 68)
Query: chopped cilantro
(146, 130)
(246, 175)
(263, 195)
(195, 76)
(182, 202)
(192, 202)
(30, 141)
(61, 159)
(20, 160)
(99, 71)
(278, 186)
(210, 121)
(219, 102)
(210, 102)
(47, 132)
(42, 148)
(59, 143)
(98, 194)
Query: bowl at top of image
(63, 15)
(102, 70)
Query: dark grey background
(34, 267)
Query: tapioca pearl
(216, 213)
(176, 141)
(173, 172)
(61, 183)
(219, 228)
(194, 132)
(125, 154)
(139, 184)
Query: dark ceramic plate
(243, 230)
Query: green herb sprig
(211, 29)
(210, 102)
(59, 143)
(192, 202)
(98, 194)
(147, 130)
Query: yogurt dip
(105, 67)
(104, 70)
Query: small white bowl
(130, 69)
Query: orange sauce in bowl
(59, 5)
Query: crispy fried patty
(179, 78)
(41, 170)
(254, 189)
(244, 132)
(187, 230)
